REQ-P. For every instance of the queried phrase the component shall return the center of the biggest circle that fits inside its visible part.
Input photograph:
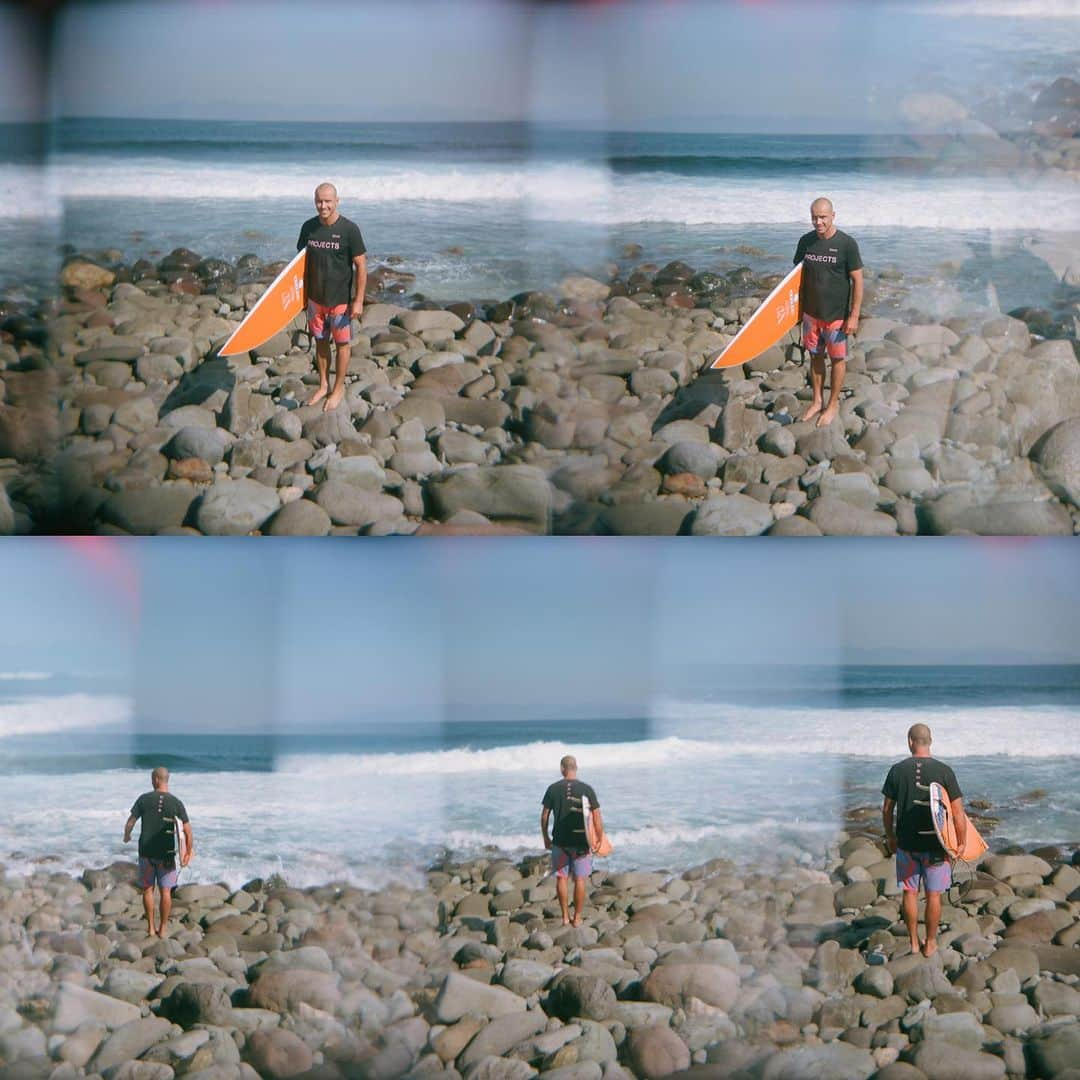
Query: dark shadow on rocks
(213, 374)
(851, 936)
(709, 388)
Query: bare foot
(828, 416)
(566, 920)
(334, 400)
(929, 949)
(916, 945)
(810, 413)
(318, 395)
(577, 920)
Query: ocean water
(752, 780)
(489, 210)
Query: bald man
(569, 845)
(920, 858)
(831, 298)
(159, 810)
(335, 279)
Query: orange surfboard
(779, 313)
(274, 310)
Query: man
(158, 811)
(334, 293)
(919, 854)
(569, 844)
(831, 296)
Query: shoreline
(587, 412)
(734, 972)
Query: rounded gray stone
(299, 518)
(690, 456)
(235, 507)
(1058, 455)
(145, 511)
(731, 515)
(198, 442)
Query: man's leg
(148, 907)
(561, 892)
(909, 877)
(340, 368)
(579, 899)
(836, 384)
(322, 366)
(933, 917)
(910, 907)
(817, 385)
(166, 908)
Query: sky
(727, 65)
(254, 637)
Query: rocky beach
(592, 411)
(798, 969)
(588, 408)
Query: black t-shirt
(908, 785)
(328, 269)
(563, 799)
(158, 811)
(826, 287)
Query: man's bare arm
(190, 837)
(360, 262)
(598, 828)
(128, 826)
(887, 808)
(545, 814)
(852, 322)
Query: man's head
(160, 778)
(326, 201)
(821, 217)
(918, 738)
(568, 766)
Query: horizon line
(679, 128)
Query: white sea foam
(66, 712)
(162, 178)
(532, 757)
(1048, 730)
(589, 193)
(27, 193)
(24, 676)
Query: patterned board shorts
(326, 322)
(820, 336)
(565, 862)
(161, 872)
(914, 866)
